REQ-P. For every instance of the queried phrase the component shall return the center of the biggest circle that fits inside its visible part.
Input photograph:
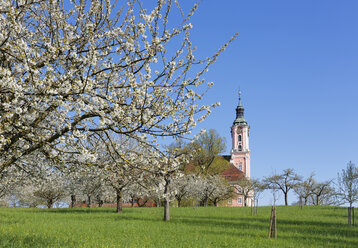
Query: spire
(240, 120)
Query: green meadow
(311, 226)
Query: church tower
(240, 152)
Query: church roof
(232, 173)
(240, 119)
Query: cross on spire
(239, 97)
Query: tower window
(240, 137)
(240, 147)
(240, 166)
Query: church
(240, 156)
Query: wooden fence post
(273, 224)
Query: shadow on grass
(81, 210)
(314, 241)
(34, 241)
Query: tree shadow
(81, 210)
(34, 241)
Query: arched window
(240, 137)
(240, 147)
(240, 166)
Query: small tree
(245, 188)
(258, 187)
(285, 181)
(322, 192)
(305, 189)
(222, 190)
(348, 184)
(182, 187)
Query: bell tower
(240, 152)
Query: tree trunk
(179, 202)
(89, 201)
(159, 202)
(166, 201)
(73, 201)
(49, 203)
(215, 203)
(132, 201)
(119, 201)
(205, 202)
(317, 200)
(286, 202)
(166, 209)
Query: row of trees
(109, 179)
(160, 176)
(98, 187)
(344, 190)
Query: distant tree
(210, 189)
(92, 183)
(322, 192)
(9, 179)
(222, 190)
(118, 172)
(258, 187)
(348, 184)
(305, 189)
(182, 187)
(245, 188)
(207, 147)
(50, 187)
(285, 181)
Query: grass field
(201, 227)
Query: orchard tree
(9, 179)
(119, 172)
(73, 177)
(258, 187)
(133, 192)
(50, 186)
(210, 188)
(285, 181)
(305, 189)
(167, 170)
(72, 68)
(182, 187)
(222, 190)
(91, 183)
(245, 188)
(348, 184)
(323, 193)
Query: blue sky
(297, 65)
